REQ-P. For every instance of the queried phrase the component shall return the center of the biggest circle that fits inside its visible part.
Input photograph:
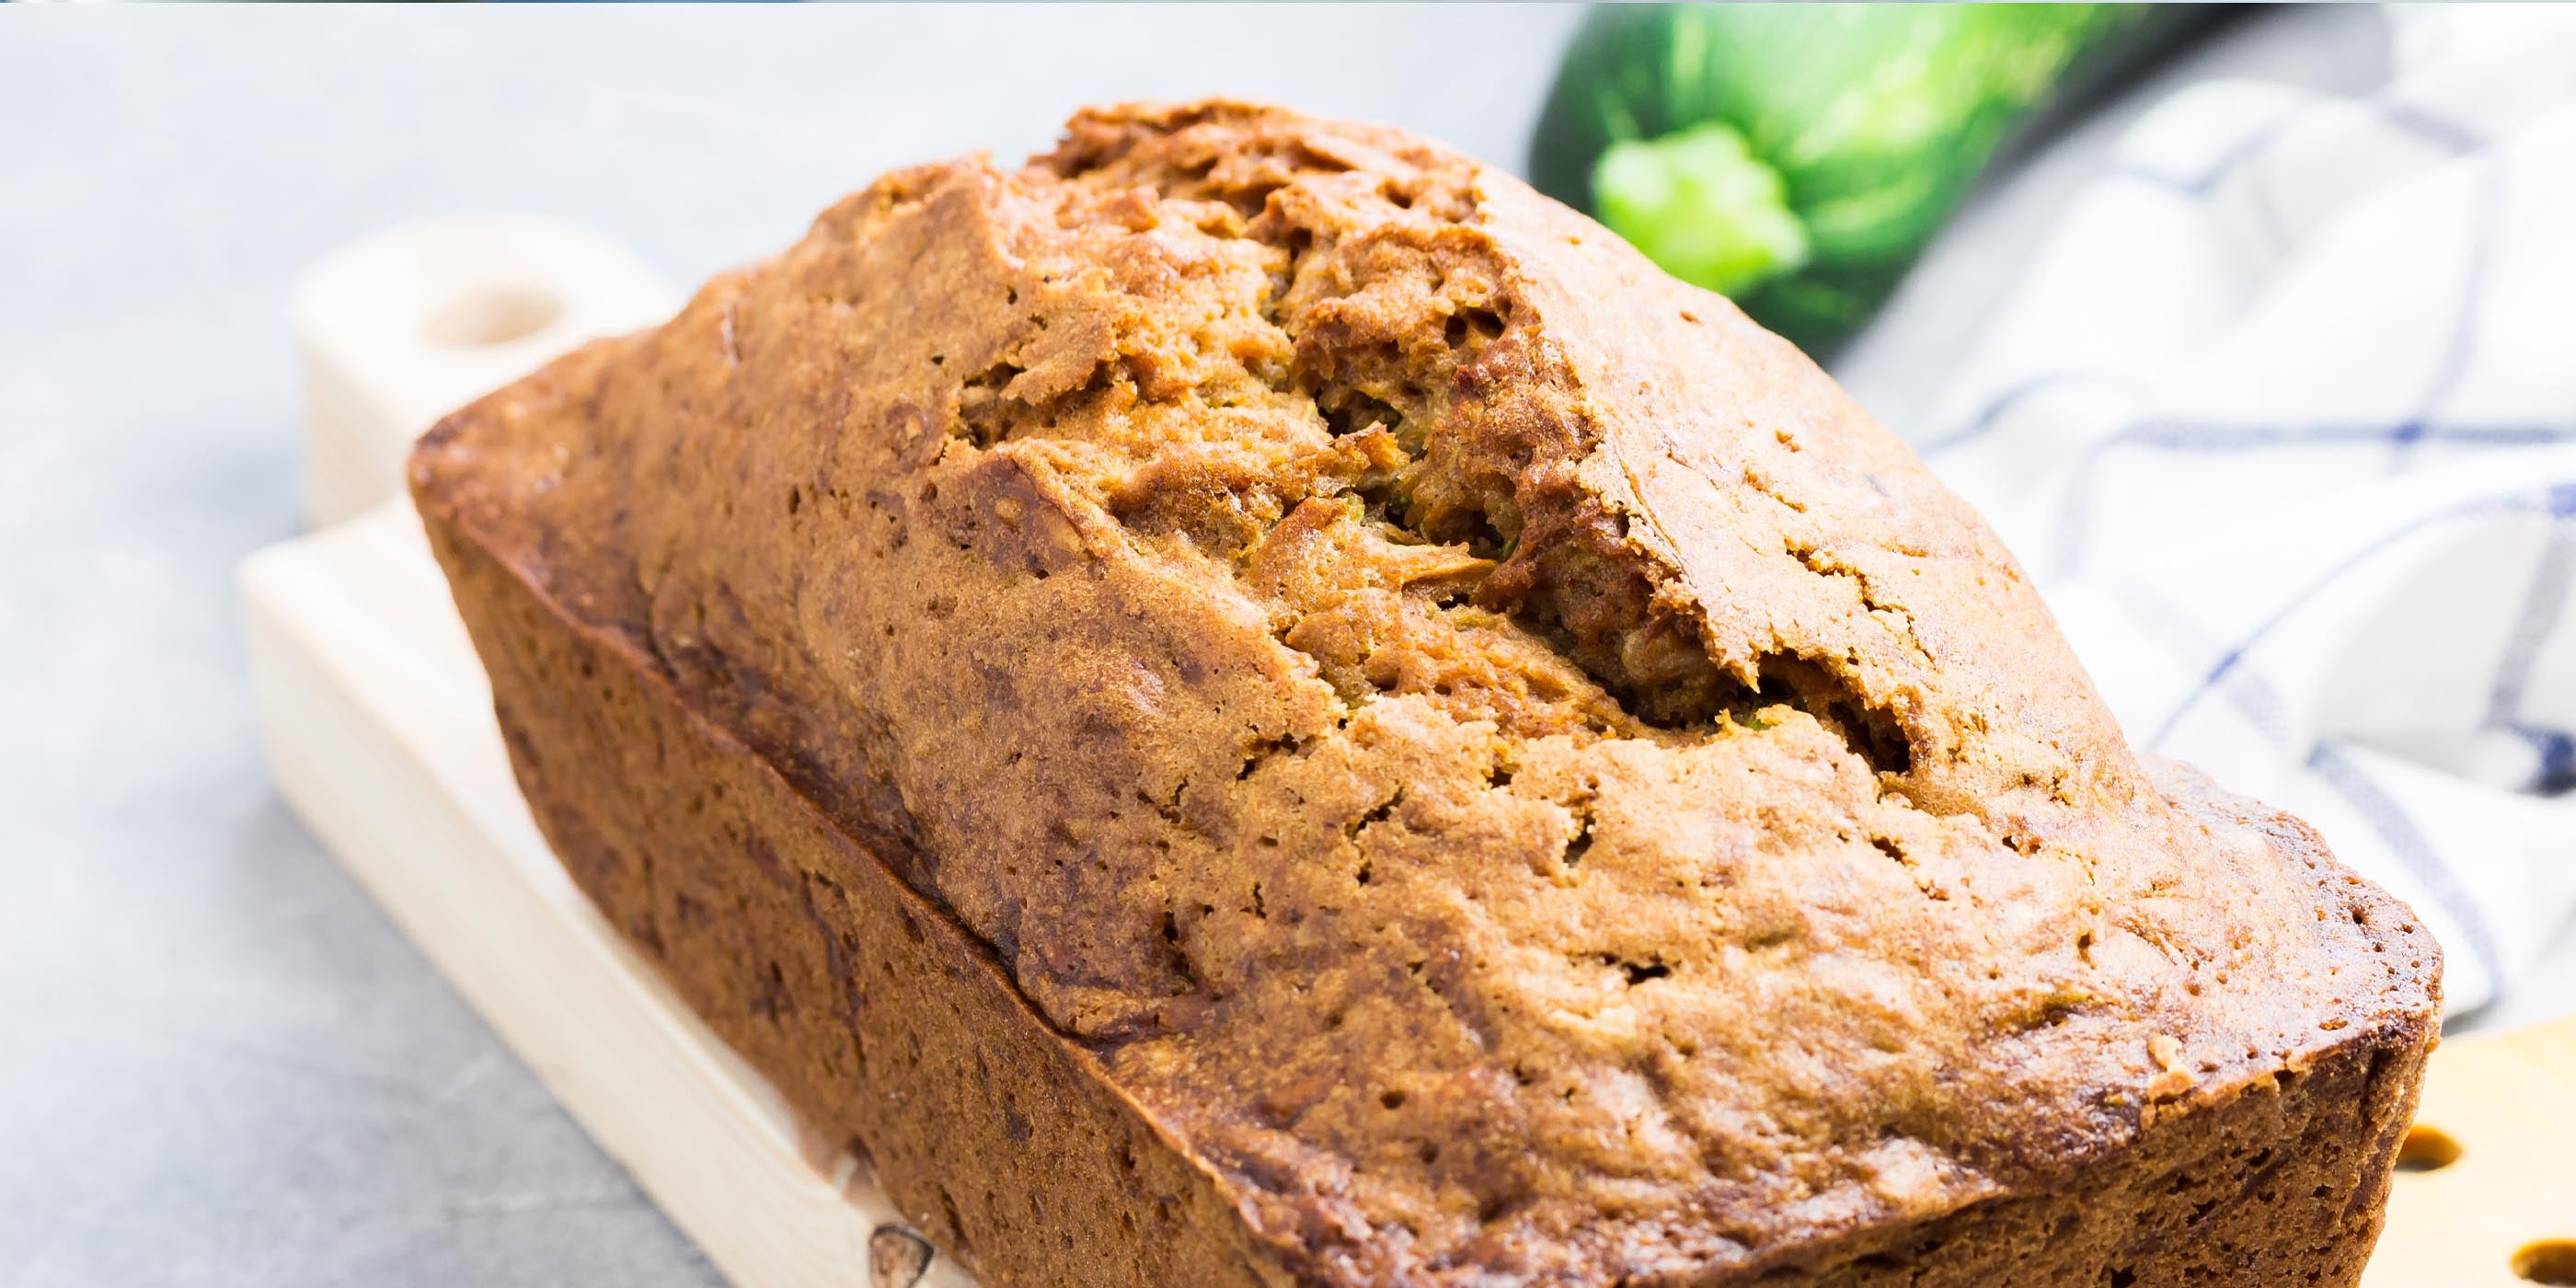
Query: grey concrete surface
(219, 1063)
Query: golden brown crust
(1482, 755)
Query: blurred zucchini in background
(1798, 157)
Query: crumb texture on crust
(1492, 751)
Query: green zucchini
(1797, 158)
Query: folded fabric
(2284, 423)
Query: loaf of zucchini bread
(1254, 703)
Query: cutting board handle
(402, 327)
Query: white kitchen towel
(2283, 421)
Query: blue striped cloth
(2283, 420)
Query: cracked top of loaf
(1489, 749)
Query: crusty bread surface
(1253, 702)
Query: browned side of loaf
(885, 1026)
(889, 1028)
(2285, 1185)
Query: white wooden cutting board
(380, 734)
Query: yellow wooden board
(2488, 1196)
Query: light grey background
(219, 1064)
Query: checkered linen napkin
(2283, 421)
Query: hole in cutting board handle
(2427, 1149)
(491, 315)
(2550, 1261)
